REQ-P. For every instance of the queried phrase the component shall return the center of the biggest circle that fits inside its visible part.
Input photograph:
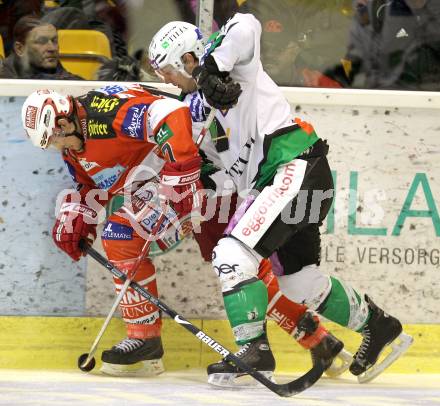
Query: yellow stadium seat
(2, 48)
(82, 52)
(51, 4)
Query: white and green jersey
(260, 130)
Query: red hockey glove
(75, 222)
(180, 184)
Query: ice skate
(327, 350)
(134, 357)
(340, 364)
(256, 354)
(381, 331)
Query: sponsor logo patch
(47, 118)
(106, 178)
(196, 107)
(225, 269)
(110, 90)
(43, 139)
(151, 218)
(269, 202)
(163, 134)
(97, 129)
(184, 227)
(104, 104)
(31, 116)
(87, 166)
(115, 231)
(133, 124)
(83, 124)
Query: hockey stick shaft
(94, 347)
(155, 91)
(143, 254)
(205, 128)
(287, 389)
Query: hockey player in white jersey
(280, 164)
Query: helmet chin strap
(76, 132)
(80, 137)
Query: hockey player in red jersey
(114, 140)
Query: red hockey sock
(141, 317)
(285, 312)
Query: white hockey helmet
(40, 113)
(172, 41)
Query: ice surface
(74, 388)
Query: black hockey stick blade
(284, 389)
(287, 389)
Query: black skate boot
(256, 354)
(328, 349)
(134, 357)
(380, 331)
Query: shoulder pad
(159, 109)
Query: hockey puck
(89, 366)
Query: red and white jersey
(128, 131)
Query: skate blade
(398, 348)
(139, 369)
(233, 380)
(340, 364)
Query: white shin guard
(234, 263)
(308, 286)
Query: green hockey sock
(345, 306)
(246, 307)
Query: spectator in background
(279, 45)
(394, 44)
(35, 52)
(280, 49)
(111, 12)
(300, 38)
(10, 12)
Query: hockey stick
(287, 389)
(157, 92)
(86, 361)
